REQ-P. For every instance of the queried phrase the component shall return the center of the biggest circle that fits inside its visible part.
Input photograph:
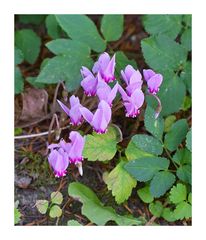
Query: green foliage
(186, 76)
(145, 195)
(53, 28)
(83, 29)
(152, 125)
(42, 206)
(168, 215)
(94, 209)
(186, 103)
(182, 156)
(120, 182)
(183, 210)
(18, 131)
(18, 55)
(29, 43)
(184, 173)
(189, 140)
(186, 39)
(17, 216)
(19, 81)
(112, 26)
(31, 18)
(168, 122)
(55, 212)
(156, 208)
(32, 81)
(73, 223)
(56, 198)
(178, 193)
(176, 134)
(101, 147)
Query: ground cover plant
(103, 120)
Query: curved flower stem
(58, 130)
(159, 107)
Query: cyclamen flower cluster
(95, 83)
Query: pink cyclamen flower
(106, 67)
(132, 78)
(132, 103)
(105, 92)
(153, 80)
(89, 82)
(100, 119)
(74, 112)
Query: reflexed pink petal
(73, 101)
(136, 78)
(106, 109)
(148, 73)
(88, 115)
(75, 115)
(154, 83)
(112, 94)
(99, 122)
(64, 107)
(137, 98)
(108, 72)
(85, 72)
(89, 85)
(123, 93)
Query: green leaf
(18, 131)
(168, 215)
(187, 19)
(56, 197)
(143, 169)
(176, 134)
(168, 122)
(94, 210)
(189, 140)
(145, 195)
(187, 103)
(186, 39)
(19, 57)
(42, 206)
(64, 68)
(178, 193)
(147, 143)
(190, 198)
(82, 28)
(169, 25)
(112, 26)
(29, 43)
(32, 18)
(182, 156)
(101, 147)
(68, 47)
(55, 211)
(53, 28)
(161, 182)
(32, 81)
(156, 208)
(184, 173)
(17, 216)
(186, 76)
(19, 81)
(120, 182)
(152, 125)
(162, 53)
(183, 210)
(73, 223)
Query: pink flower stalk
(89, 82)
(105, 92)
(100, 119)
(132, 103)
(106, 67)
(153, 80)
(74, 112)
(132, 78)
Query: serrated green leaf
(42, 206)
(143, 169)
(176, 134)
(56, 197)
(120, 182)
(55, 211)
(183, 210)
(186, 39)
(169, 25)
(82, 28)
(168, 122)
(95, 211)
(53, 28)
(168, 215)
(101, 147)
(19, 56)
(112, 26)
(29, 43)
(178, 193)
(182, 156)
(156, 208)
(17, 216)
(19, 81)
(73, 223)
(161, 182)
(189, 140)
(31, 18)
(145, 195)
(184, 173)
(154, 126)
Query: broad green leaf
(161, 182)
(178, 193)
(42, 206)
(184, 173)
(190, 198)
(152, 125)
(183, 210)
(186, 76)
(144, 169)
(55, 211)
(176, 134)
(31, 18)
(169, 25)
(32, 81)
(189, 140)
(82, 28)
(94, 210)
(182, 156)
(56, 197)
(168, 215)
(73, 223)
(29, 43)
(187, 19)
(168, 122)
(187, 103)
(19, 81)
(53, 28)
(64, 68)
(120, 182)
(17, 216)
(112, 26)
(147, 144)
(19, 57)
(145, 195)
(156, 208)
(67, 47)
(186, 39)
(162, 53)
(101, 147)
